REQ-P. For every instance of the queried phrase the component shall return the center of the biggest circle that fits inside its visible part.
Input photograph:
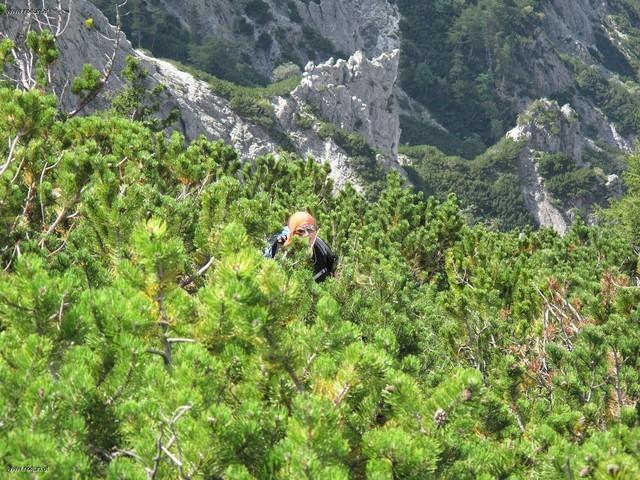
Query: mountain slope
(266, 33)
(476, 66)
(253, 122)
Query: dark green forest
(461, 59)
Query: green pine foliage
(488, 186)
(136, 102)
(42, 44)
(88, 81)
(143, 335)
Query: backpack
(325, 261)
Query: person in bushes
(302, 224)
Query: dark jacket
(324, 260)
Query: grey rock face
(356, 95)
(570, 30)
(571, 25)
(368, 25)
(371, 26)
(539, 138)
(546, 127)
(203, 113)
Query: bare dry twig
(108, 68)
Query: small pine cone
(389, 389)
(440, 417)
(467, 394)
(585, 472)
(612, 469)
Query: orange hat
(297, 220)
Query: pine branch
(9, 362)
(60, 311)
(124, 384)
(305, 370)
(164, 324)
(160, 353)
(44, 171)
(130, 454)
(178, 460)
(180, 411)
(25, 208)
(18, 170)
(292, 374)
(15, 251)
(516, 414)
(617, 384)
(151, 473)
(342, 394)
(53, 226)
(625, 287)
(173, 459)
(60, 29)
(4, 298)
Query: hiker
(302, 224)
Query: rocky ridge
(586, 32)
(204, 113)
(548, 128)
(361, 102)
(356, 95)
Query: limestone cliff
(547, 128)
(297, 29)
(356, 95)
(202, 112)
